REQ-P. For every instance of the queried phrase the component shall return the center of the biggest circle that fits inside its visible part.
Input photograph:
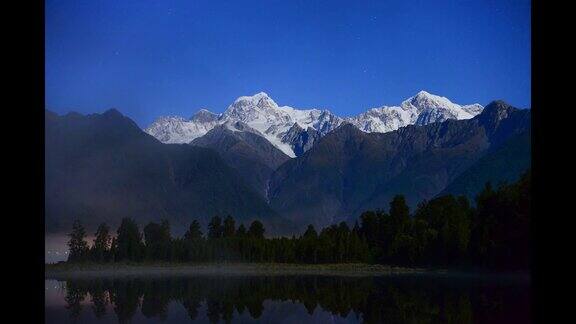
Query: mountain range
(289, 167)
(294, 131)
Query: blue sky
(152, 58)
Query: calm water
(289, 299)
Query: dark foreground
(243, 293)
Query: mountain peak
(496, 110)
(112, 112)
(495, 113)
(255, 97)
(423, 100)
(204, 115)
(423, 93)
(261, 94)
(260, 101)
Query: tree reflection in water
(408, 299)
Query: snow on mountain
(174, 129)
(294, 131)
(422, 109)
(205, 116)
(263, 114)
(382, 120)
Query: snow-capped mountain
(263, 114)
(422, 109)
(260, 113)
(294, 131)
(174, 129)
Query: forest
(446, 231)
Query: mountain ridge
(278, 123)
(233, 168)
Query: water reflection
(403, 299)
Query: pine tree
(129, 241)
(114, 250)
(77, 244)
(256, 230)
(194, 232)
(241, 232)
(402, 245)
(101, 246)
(194, 242)
(157, 241)
(311, 232)
(399, 213)
(215, 228)
(229, 227)
(309, 245)
(356, 228)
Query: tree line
(224, 241)
(444, 231)
(449, 231)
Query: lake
(409, 298)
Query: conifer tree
(215, 228)
(101, 246)
(78, 247)
(241, 232)
(129, 241)
(157, 241)
(194, 231)
(229, 227)
(256, 230)
(194, 242)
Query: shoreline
(79, 271)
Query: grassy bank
(64, 270)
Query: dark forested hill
(505, 163)
(349, 171)
(102, 167)
(246, 151)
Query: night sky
(152, 58)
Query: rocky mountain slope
(503, 164)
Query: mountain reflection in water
(288, 299)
